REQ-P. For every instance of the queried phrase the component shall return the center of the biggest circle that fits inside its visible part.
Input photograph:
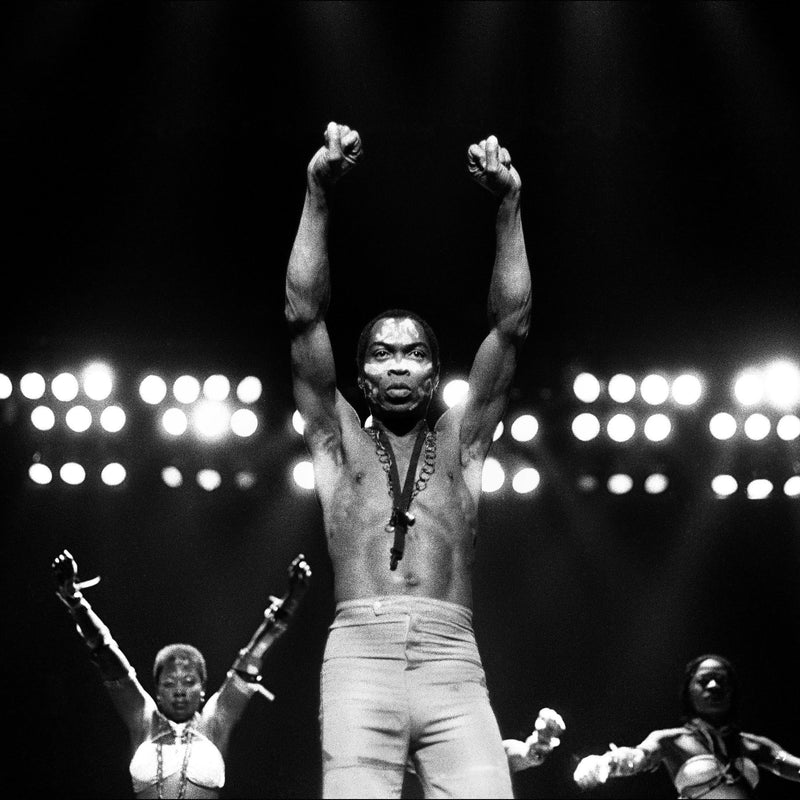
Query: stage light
(586, 387)
(686, 389)
(210, 419)
(657, 427)
(97, 381)
(152, 389)
(656, 483)
(749, 388)
(298, 423)
(493, 475)
(32, 385)
(782, 384)
(174, 421)
(621, 388)
(526, 480)
(113, 474)
(587, 483)
(621, 427)
(172, 477)
(43, 418)
(792, 486)
(40, 473)
(524, 428)
(724, 485)
(759, 489)
(585, 426)
(756, 427)
(654, 389)
(244, 479)
(788, 427)
(498, 431)
(368, 422)
(78, 418)
(216, 388)
(72, 473)
(6, 386)
(722, 425)
(64, 387)
(208, 479)
(249, 389)
(112, 419)
(620, 483)
(244, 422)
(455, 391)
(186, 389)
(303, 474)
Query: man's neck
(400, 426)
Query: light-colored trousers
(402, 685)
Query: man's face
(398, 374)
(710, 690)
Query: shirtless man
(402, 677)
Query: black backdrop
(153, 171)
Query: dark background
(153, 163)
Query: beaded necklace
(186, 741)
(401, 519)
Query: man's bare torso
(357, 506)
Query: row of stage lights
(524, 482)
(206, 407)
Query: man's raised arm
(509, 301)
(308, 284)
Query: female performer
(709, 756)
(178, 741)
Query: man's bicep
(313, 374)
(489, 384)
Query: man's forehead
(391, 329)
(710, 665)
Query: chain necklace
(401, 519)
(186, 741)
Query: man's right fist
(341, 152)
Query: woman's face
(180, 691)
(710, 690)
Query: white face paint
(398, 374)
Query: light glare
(152, 389)
(32, 385)
(586, 387)
(455, 391)
(5, 386)
(43, 418)
(792, 486)
(97, 381)
(493, 475)
(249, 389)
(244, 422)
(686, 389)
(722, 425)
(40, 473)
(585, 426)
(621, 427)
(759, 489)
(657, 427)
(72, 473)
(524, 428)
(174, 421)
(526, 480)
(749, 388)
(209, 479)
(186, 389)
(112, 419)
(724, 485)
(788, 427)
(621, 388)
(64, 387)
(654, 389)
(756, 427)
(113, 474)
(216, 388)
(78, 418)
(303, 474)
(620, 483)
